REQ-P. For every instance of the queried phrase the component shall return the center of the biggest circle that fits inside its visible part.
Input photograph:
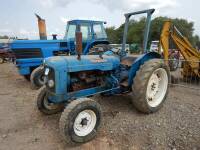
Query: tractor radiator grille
(27, 53)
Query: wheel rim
(85, 122)
(157, 87)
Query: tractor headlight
(46, 72)
(51, 83)
(49, 77)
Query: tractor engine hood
(87, 62)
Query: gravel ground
(23, 127)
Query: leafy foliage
(4, 37)
(136, 30)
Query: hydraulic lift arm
(189, 53)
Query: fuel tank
(87, 62)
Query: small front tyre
(37, 78)
(80, 121)
(45, 106)
(150, 86)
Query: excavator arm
(189, 53)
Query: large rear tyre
(37, 78)
(80, 121)
(45, 106)
(150, 86)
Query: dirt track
(23, 127)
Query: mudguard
(138, 62)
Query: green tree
(4, 37)
(136, 30)
(112, 34)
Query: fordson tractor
(30, 53)
(71, 81)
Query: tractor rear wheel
(1, 60)
(80, 121)
(45, 106)
(37, 78)
(150, 86)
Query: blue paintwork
(138, 62)
(63, 65)
(67, 64)
(24, 70)
(79, 21)
(47, 48)
(89, 42)
(110, 64)
(87, 62)
(25, 66)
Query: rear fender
(138, 62)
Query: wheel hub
(154, 85)
(85, 122)
(157, 87)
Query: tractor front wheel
(45, 106)
(80, 121)
(150, 86)
(37, 78)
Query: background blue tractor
(71, 80)
(30, 53)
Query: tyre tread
(140, 83)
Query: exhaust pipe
(42, 28)
(79, 46)
(54, 36)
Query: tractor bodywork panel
(138, 62)
(30, 53)
(71, 77)
(79, 78)
(91, 75)
(90, 62)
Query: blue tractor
(71, 81)
(31, 53)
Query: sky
(17, 16)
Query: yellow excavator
(191, 63)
